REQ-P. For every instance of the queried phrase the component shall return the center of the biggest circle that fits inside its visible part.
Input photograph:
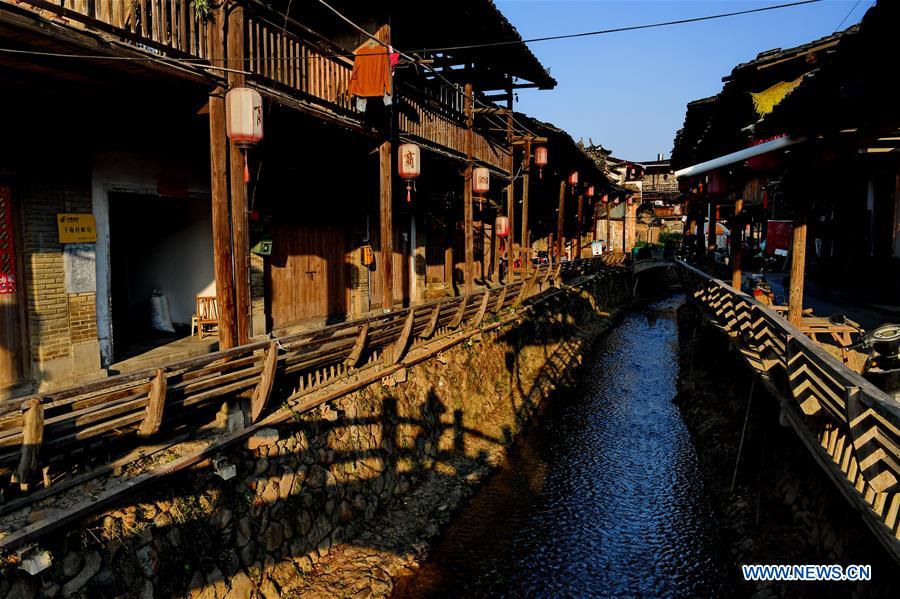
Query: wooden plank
(32, 439)
(263, 389)
(155, 406)
(432, 323)
(482, 309)
(460, 312)
(402, 343)
(356, 353)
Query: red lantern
(590, 191)
(481, 182)
(501, 225)
(540, 159)
(573, 178)
(409, 165)
(244, 120)
(604, 199)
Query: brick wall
(82, 316)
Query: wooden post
(387, 227)
(218, 144)
(608, 240)
(511, 194)
(711, 237)
(580, 217)
(700, 242)
(560, 243)
(32, 439)
(239, 222)
(798, 266)
(495, 253)
(467, 195)
(525, 237)
(737, 230)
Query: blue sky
(628, 91)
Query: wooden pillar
(525, 237)
(221, 226)
(737, 231)
(798, 267)
(608, 230)
(467, 194)
(560, 221)
(711, 236)
(495, 252)
(511, 193)
(578, 229)
(387, 226)
(239, 215)
(700, 241)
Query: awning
(739, 156)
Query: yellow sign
(76, 228)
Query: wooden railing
(171, 27)
(853, 427)
(44, 437)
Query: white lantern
(244, 116)
(481, 182)
(409, 165)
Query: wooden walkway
(53, 442)
(851, 427)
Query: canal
(602, 497)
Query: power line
(617, 29)
(847, 16)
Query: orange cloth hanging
(371, 76)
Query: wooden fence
(43, 436)
(852, 426)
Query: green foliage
(670, 238)
(203, 8)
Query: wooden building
(121, 185)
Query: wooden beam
(511, 204)
(356, 353)
(525, 236)
(457, 320)
(263, 389)
(402, 344)
(156, 403)
(501, 299)
(221, 222)
(580, 217)
(560, 242)
(432, 323)
(482, 309)
(239, 215)
(387, 227)
(32, 439)
(737, 230)
(798, 267)
(469, 268)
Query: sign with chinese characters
(7, 246)
(596, 248)
(76, 228)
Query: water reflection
(602, 498)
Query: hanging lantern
(244, 120)
(590, 191)
(604, 199)
(501, 225)
(481, 182)
(540, 159)
(573, 178)
(409, 165)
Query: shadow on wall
(330, 472)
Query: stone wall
(321, 479)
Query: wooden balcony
(279, 54)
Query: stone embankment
(341, 499)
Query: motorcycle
(758, 287)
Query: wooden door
(12, 340)
(308, 273)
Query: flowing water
(601, 498)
